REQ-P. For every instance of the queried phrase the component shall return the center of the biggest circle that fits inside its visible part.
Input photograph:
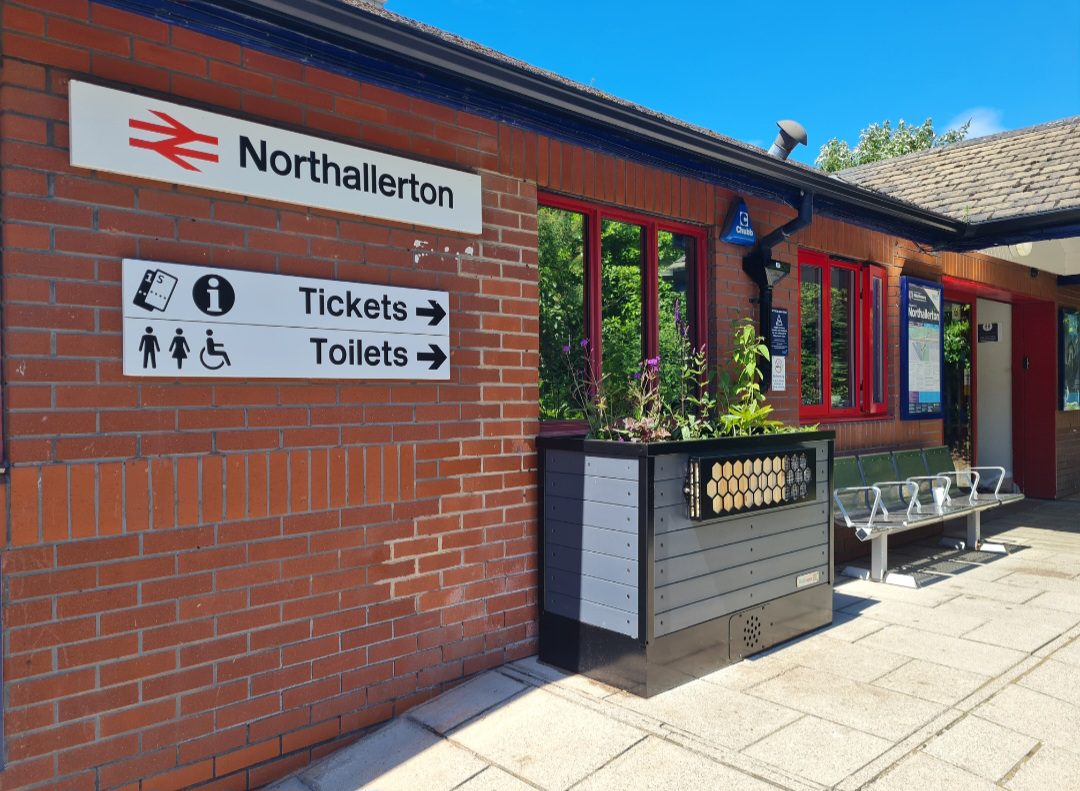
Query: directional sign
(191, 321)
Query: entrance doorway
(957, 394)
(994, 384)
(999, 383)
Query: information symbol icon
(213, 295)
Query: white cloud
(984, 121)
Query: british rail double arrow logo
(175, 145)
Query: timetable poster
(922, 349)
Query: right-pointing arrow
(437, 357)
(435, 313)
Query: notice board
(922, 349)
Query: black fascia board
(1061, 224)
(344, 39)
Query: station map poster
(921, 349)
(1069, 364)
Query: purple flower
(637, 374)
(584, 342)
(566, 349)
(678, 318)
(652, 362)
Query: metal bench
(883, 493)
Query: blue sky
(836, 67)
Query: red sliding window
(842, 321)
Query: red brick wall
(211, 584)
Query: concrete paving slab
(822, 751)
(545, 739)
(494, 779)
(997, 590)
(534, 668)
(712, 712)
(851, 627)
(1026, 630)
(874, 591)
(289, 784)
(1049, 769)
(1057, 600)
(937, 683)
(1070, 654)
(751, 671)
(940, 620)
(981, 747)
(864, 707)
(1057, 679)
(852, 660)
(922, 771)
(1034, 714)
(658, 765)
(466, 701)
(1044, 577)
(399, 757)
(944, 650)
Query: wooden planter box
(663, 561)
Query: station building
(226, 555)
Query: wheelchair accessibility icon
(216, 350)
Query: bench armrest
(1000, 476)
(973, 478)
(943, 480)
(877, 506)
(913, 496)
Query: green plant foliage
(877, 142)
(747, 413)
(561, 241)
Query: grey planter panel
(675, 518)
(667, 468)
(592, 613)
(757, 549)
(592, 539)
(603, 466)
(699, 612)
(713, 586)
(611, 517)
(578, 586)
(696, 536)
(591, 564)
(591, 487)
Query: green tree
(877, 142)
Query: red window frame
(863, 402)
(594, 214)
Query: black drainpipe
(755, 264)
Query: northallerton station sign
(193, 321)
(134, 135)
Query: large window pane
(842, 336)
(810, 307)
(561, 241)
(620, 296)
(676, 263)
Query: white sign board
(194, 321)
(125, 133)
(779, 374)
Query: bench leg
(879, 557)
(974, 530)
